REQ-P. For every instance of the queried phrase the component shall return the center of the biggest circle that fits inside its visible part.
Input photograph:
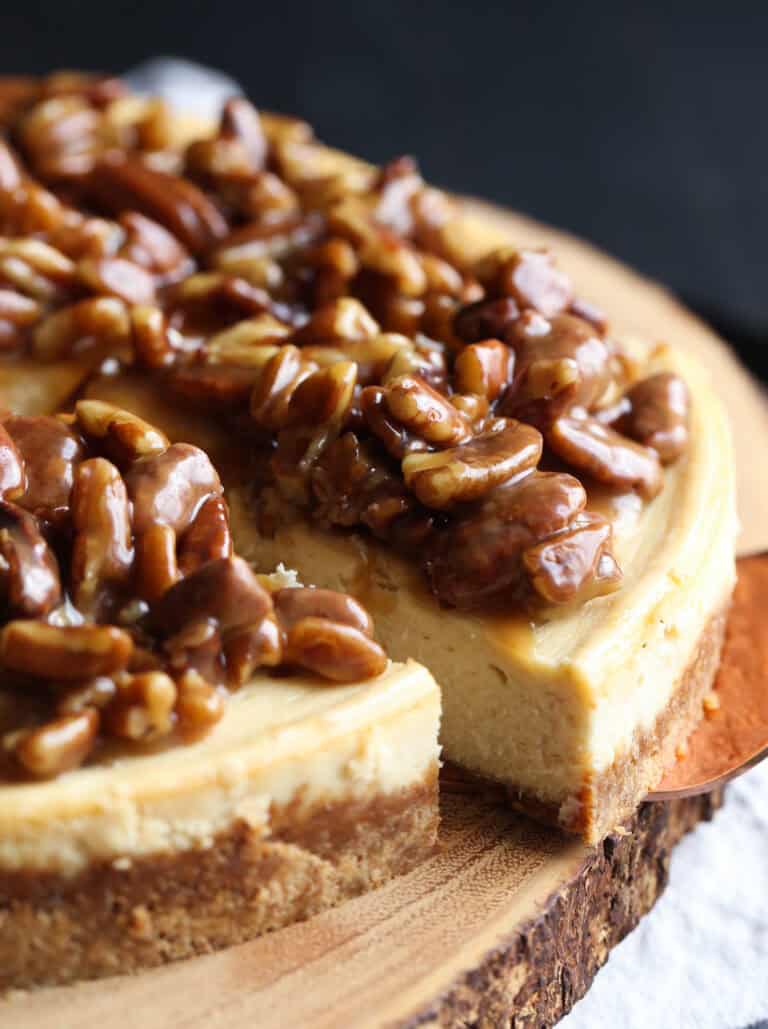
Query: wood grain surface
(509, 923)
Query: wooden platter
(509, 923)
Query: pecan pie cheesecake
(401, 405)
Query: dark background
(643, 128)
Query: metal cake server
(734, 736)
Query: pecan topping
(319, 314)
(658, 415)
(160, 617)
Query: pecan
(423, 412)
(155, 343)
(395, 437)
(484, 368)
(324, 397)
(12, 477)
(253, 647)
(17, 314)
(240, 120)
(151, 246)
(169, 488)
(607, 456)
(143, 707)
(467, 472)
(29, 576)
(36, 269)
(62, 137)
(372, 356)
(208, 538)
(225, 590)
(117, 277)
(250, 342)
(50, 451)
(333, 650)
(658, 415)
(343, 319)
(575, 564)
(156, 566)
(102, 553)
(217, 387)
(123, 435)
(64, 652)
(479, 555)
(347, 479)
(566, 366)
(280, 377)
(294, 603)
(486, 319)
(199, 705)
(122, 183)
(531, 278)
(93, 693)
(97, 320)
(59, 745)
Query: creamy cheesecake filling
(543, 705)
(279, 743)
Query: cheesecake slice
(190, 753)
(300, 797)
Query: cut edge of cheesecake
(302, 796)
(579, 712)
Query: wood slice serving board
(508, 924)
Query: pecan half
(333, 650)
(606, 455)
(480, 554)
(658, 415)
(199, 705)
(575, 564)
(467, 472)
(169, 488)
(295, 603)
(12, 478)
(123, 435)
(117, 277)
(57, 652)
(50, 451)
(225, 590)
(486, 319)
(101, 321)
(484, 368)
(59, 745)
(143, 707)
(208, 538)
(102, 552)
(533, 280)
(560, 365)
(122, 183)
(29, 576)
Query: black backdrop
(642, 127)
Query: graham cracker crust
(110, 920)
(611, 798)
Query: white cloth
(700, 960)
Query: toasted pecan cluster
(459, 412)
(125, 613)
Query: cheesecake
(401, 405)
